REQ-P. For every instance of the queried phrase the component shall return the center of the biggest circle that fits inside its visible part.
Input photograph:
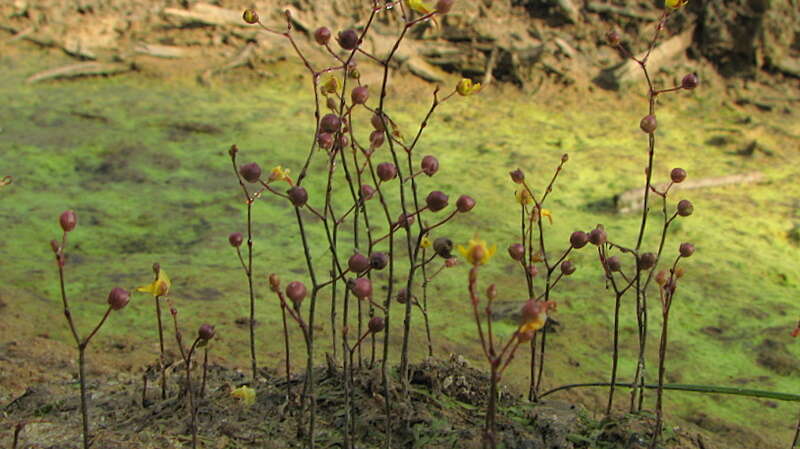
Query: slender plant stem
(84, 404)
(615, 353)
(161, 357)
(205, 372)
(287, 356)
(253, 363)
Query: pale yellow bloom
(245, 394)
(425, 243)
(675, 4)
(465, 87)
(159, 287)
(280, 174)
(535, 324)
(477, 252)
(548, 214)
(420, 6)
(331, 86)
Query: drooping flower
(465, 87)
(675, 4)
(425, 243)
(534, 315)
(420, 6)
(279, 173)
(548, 214)
(477, 252)
(159, 287)
(331, 86)
(245, 394)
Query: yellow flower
(426, 242)
(465, 87)
(159, 287)
(420, 6)
(477, 251)
(280, 174)
(523, 196)
(331, 86)
(675, 4)
(244, 394)
(534, 324)
(546, 213)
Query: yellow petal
(419, 6)
(546, 213)
(245, 394)
(159, 287)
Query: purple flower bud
(647, 261)
(358, 263)
(322, 35)
(648, 124)
(206, 332)
(250, 172)
(685, 208)
(518, 176)
(690, 81)
(377, 123)
(376, 139)
(348, 39)
(677, 175)
(367, 192)
(598, 236)
(578, 239)
(378, 261)
(362, 288)
(118, 298)
(236, 239)
(567, 267)
(330, 123)
(686, 249)
(68, 220)
(613, 263)
(613, 38)
(402, 296)
(296, 291)
(376, 324)
(386, 171)
(436, 201)
(325, 140)
(430, 165)
(404, 221)
(298, 195)
(516, 251)
(465, 203)
(359, 95)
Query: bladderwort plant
(357, 174)
(159, 288)
(250, 172)
(534, 317)
(532, 235)
(118, 298)
(204, 334)
(645, 263)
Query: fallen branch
(79, 70)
